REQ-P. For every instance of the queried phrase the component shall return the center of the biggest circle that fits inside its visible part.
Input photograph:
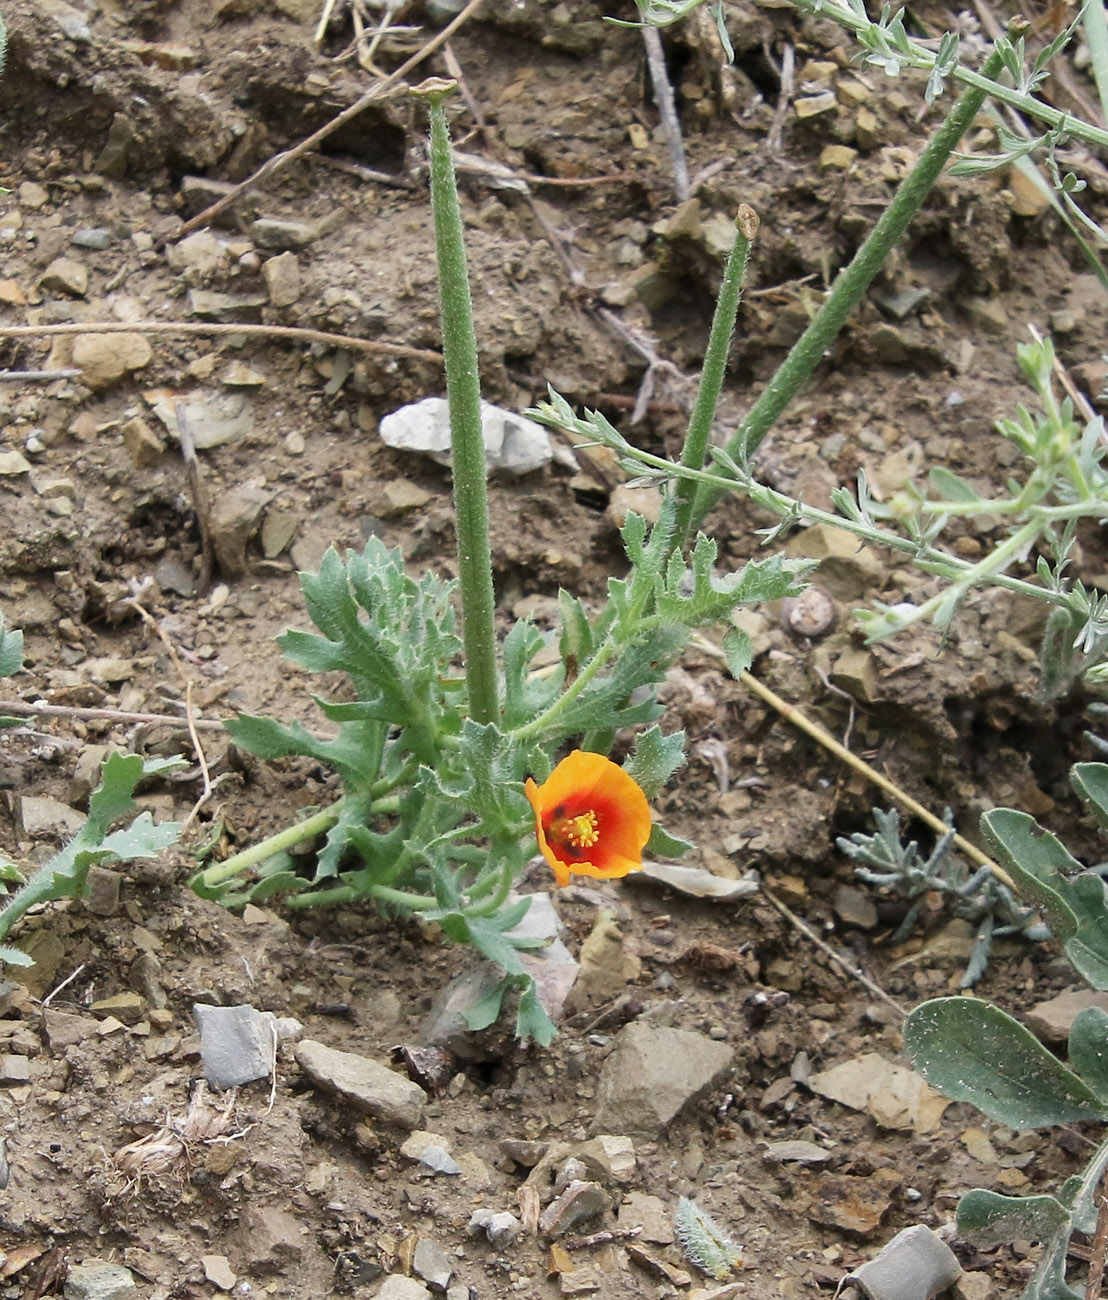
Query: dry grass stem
(293, 332)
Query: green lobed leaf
(664, 844)
(485, 1011)
(577, 641)
(739, 650)
(13, 957)
(64, 874)
(490, 942)
(354, 753)
(971, 1051)
(524, 696)
(609, 699)
(655, 758)
(532, 1021)
(142, 839)
(950, 486)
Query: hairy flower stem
(715, 367)
(463, 391)
(850, 284)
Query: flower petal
(586, 782)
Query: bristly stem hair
(463, 391)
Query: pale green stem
(308, 829)
(850, 285)
(463, 391)
(267, 848)
(715, 367)
(1096, 38)
(929, 558)
(350, 894)
(985, 570)
(603, 655)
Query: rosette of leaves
(433, 818)
(971, 1051)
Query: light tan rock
(104, 359)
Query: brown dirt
(956, 722)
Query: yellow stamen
(580, 831)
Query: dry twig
(190, 327)
(855, 972)
(379, 88)
(22, 709)
(667, 110)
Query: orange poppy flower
(591, 817)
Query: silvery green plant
(447, 721)
(1063, 480)
(898, 868)
(972, 1051)
(433, 819)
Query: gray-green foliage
(1064, 482)
(974, 1052)
(433, 818)
(64, 875)
(898, 867)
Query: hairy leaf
(989, 1219)
(655, 759)
(974, 1052)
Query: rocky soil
(710, 1049)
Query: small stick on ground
(776, 132)
(190, 715)
(667, 110)
(854, 972)
(792, 714)
(35, 376)
(190, 327)
(379, 88)
(58, 987)
(324, 20)
(22, 709)
(602, 1238)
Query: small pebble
(96, 238)
(812, 614)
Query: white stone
(513, 444)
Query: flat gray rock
(652, 1074)
(367, 1085)
(99, 1279)
(237, 1044)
